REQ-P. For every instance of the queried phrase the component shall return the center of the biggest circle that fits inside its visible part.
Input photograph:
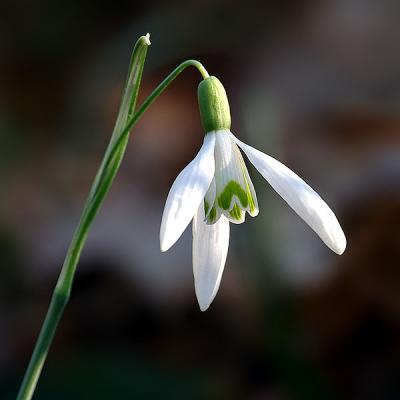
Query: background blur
(315, 84)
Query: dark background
(315, 84)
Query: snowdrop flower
(215, 189)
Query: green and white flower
(215, 189)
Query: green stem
(152, 97)
(102, 183)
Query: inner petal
(234, 190)
(211, 212)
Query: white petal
(210, 248)
(253, 211)
(211, 209)
(209, 198)
(186, 194)
(301, 197)
(235, 192)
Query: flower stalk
(126, 120)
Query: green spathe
(214, 105)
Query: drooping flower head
(215, 189)
(231, 192)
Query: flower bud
(214, 105)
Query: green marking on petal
(233, 189)
(252, 204)
(236, 212)
(206, 207)
(212, 216)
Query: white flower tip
(204, 307)
(204, 301)
(165, 245)
(205, 292)
(147, 39)
(340, 245)
(334, 237)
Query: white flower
(215, 189)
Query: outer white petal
(210, 248)
(301, 197)
(186, 193)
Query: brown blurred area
(315, 84)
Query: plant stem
(102, 183)
(152, 97)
